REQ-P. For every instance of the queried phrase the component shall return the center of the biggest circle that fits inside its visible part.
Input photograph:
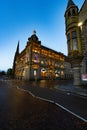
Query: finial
(34, 32)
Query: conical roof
(70, 3)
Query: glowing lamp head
(80, 24)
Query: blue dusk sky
(18, 19)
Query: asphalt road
(20, 111)
(73, 103)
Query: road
(20, 111)
(71, 102)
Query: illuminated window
(36, 57)
(42, 62)
(43, 72)
(61, 66)
(57, 75)
(35, 72)
(62, 73)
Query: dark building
(76, 33)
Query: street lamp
(80, 24)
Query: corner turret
(72, 30)
(73, 35)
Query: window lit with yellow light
(42, 62)
(62, 72)
(57, 75)
(43, 72)
(61, 66)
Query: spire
(14, 62)
(17, 50)
(70, 3)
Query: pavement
(70, 88)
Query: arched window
(43, 72)
(69, 14)
(73, 11)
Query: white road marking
(68, 93)
(81, 118)
(71, 112)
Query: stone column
(26, 76)
(77, 76)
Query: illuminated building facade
(38, 62)
(76, 33)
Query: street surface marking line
(45, 99)
(81, 118)
(71, 112)
(26, 91)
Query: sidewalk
(70, 88)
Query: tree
(2, 73)
(10, 72)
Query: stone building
(76, 33)
(68, 72)
(38, 62)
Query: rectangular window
(74, 34)
(74, 40)
(35, 72)
(74, 44)
(69, 42)
(69, 46)
(68, 37)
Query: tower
(15, 57)
(32, 69)
(73, 36)
(72, 29)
